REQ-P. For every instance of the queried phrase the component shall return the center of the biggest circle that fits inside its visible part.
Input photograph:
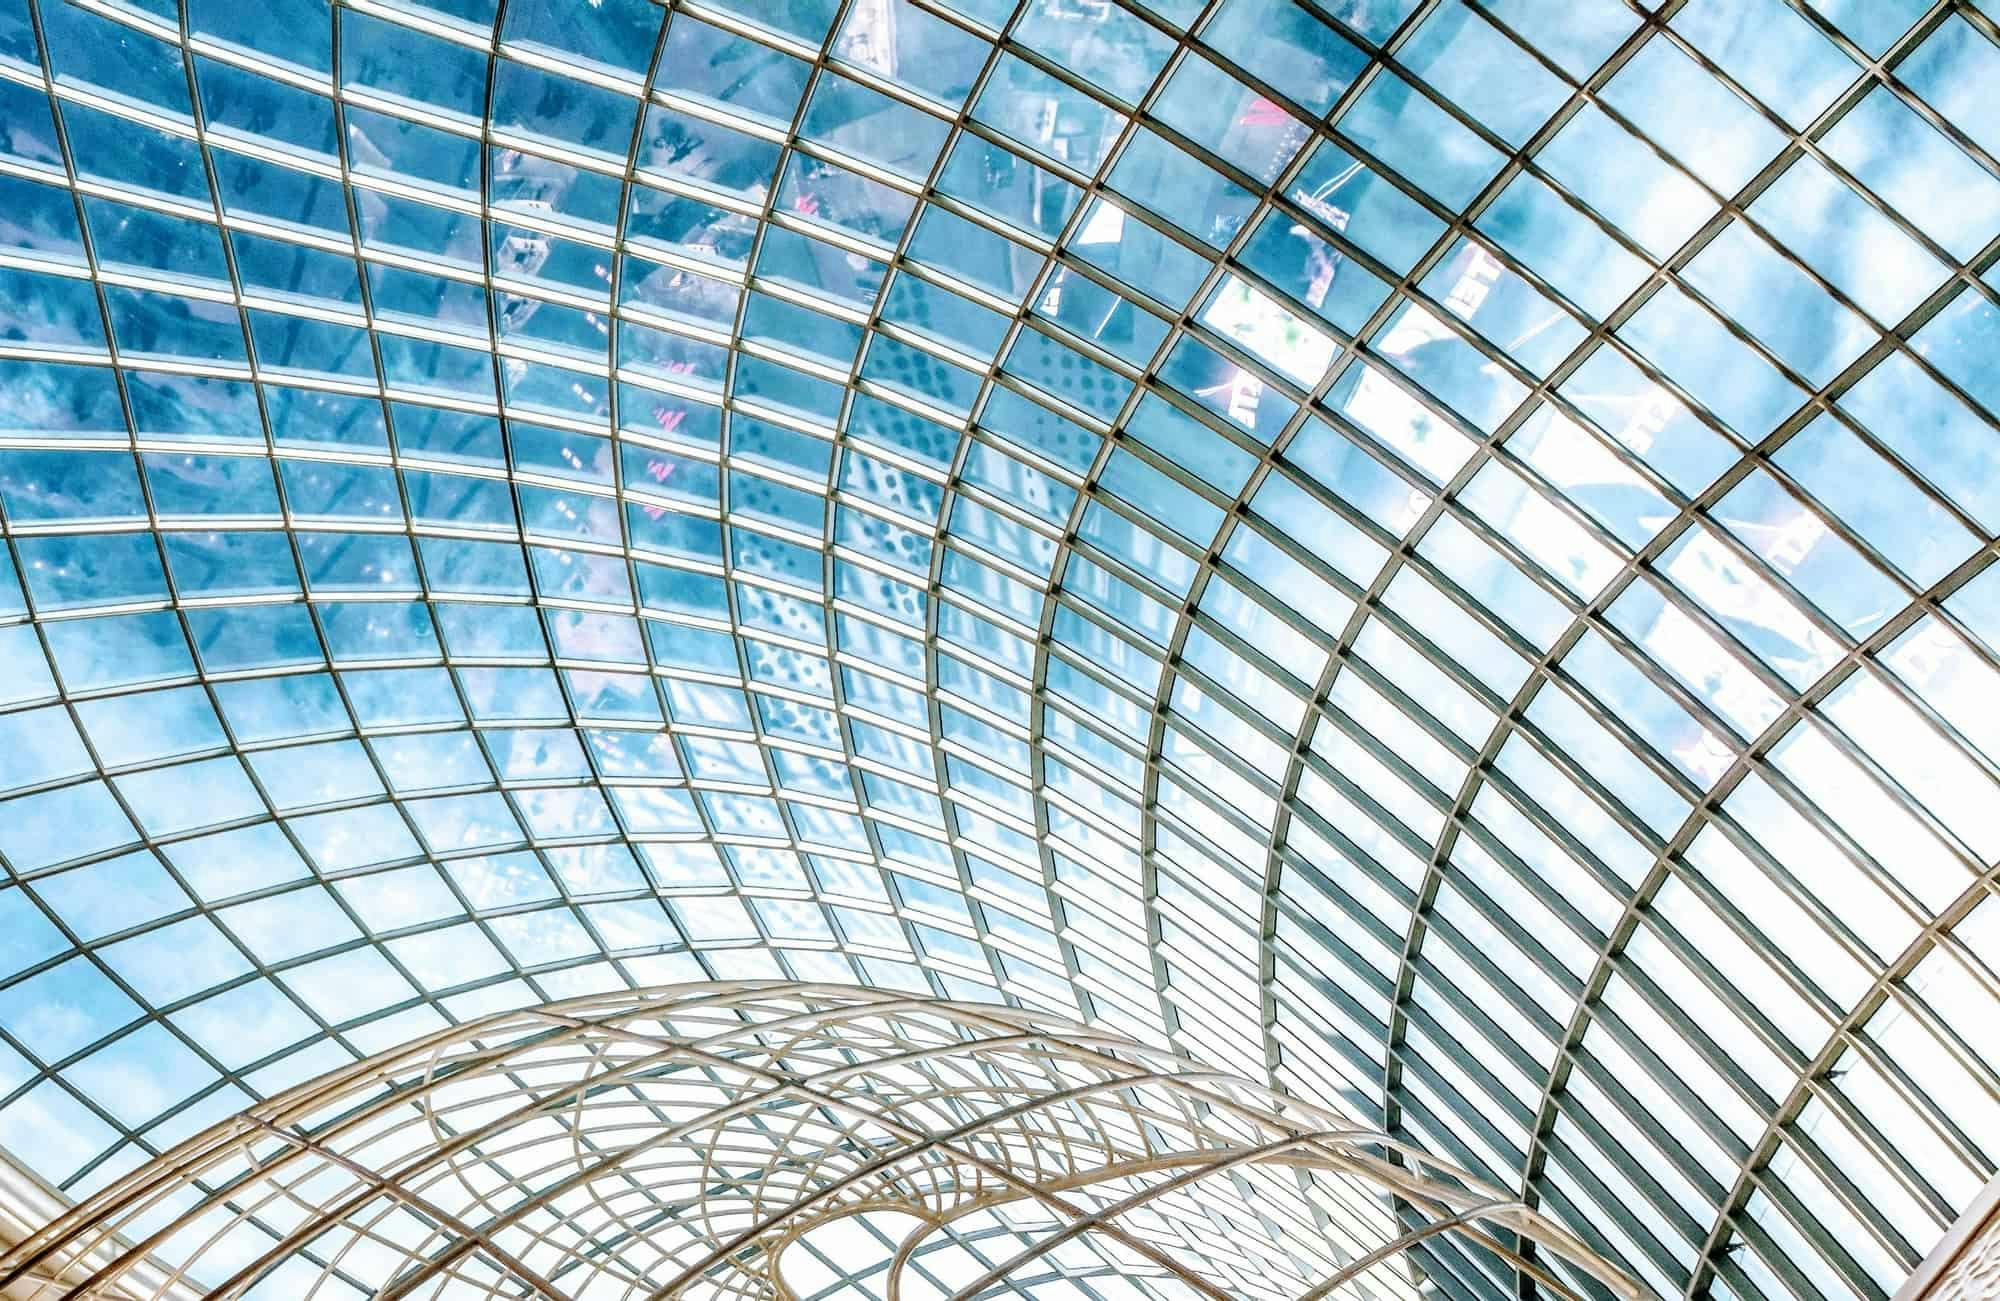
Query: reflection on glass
(1051, 502)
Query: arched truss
(1438, 552)
(679, 1142)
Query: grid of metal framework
(773, 1142)
(1436, 548)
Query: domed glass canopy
(1434, 553)
(765, 1141)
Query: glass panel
(623, 482)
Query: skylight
(1435, 553)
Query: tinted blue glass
(1174, 486)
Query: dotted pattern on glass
(1436, 550)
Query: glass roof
(1435, 551)
(769, 1141)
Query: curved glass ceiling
(1436, 551)
(766, 1141)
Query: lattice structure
(1965, 1265)
(681, 1142)
(1440, 554)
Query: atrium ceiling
(1435, 553)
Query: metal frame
(1966, 1261)
(1338, 972)
(679, 1142)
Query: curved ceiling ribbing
(782, 1142)
(1435, 548)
